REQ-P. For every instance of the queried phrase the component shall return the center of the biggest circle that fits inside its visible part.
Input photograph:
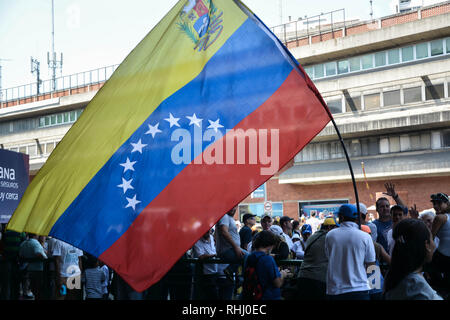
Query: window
(318, 71)
(425, 141)
(384, 145)
(367, 61)
(343, 66)
(422, 50)
(411, 95)
(437, 47)
(59, 118)
(73, 116)
(49, 147)
(394, 144)
(371, 101)
(335, 106)
(446, 139)
(23, 149)
(405, 144)
(354, 64)
(53, 119)
(32, 150)
(393, 56)
(310, 72)
(447, 45)
(330, 68)
(258, 209)
(42, 122)
(352, 104)
(407, 54)
(391, 98)
(380, 59)
(434, 92)
(47, 120)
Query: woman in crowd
(414, 246)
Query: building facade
(386, 81)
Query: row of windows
(34, 150)
(380, 59)
(374, 146)
(59, 118)
(375, 100)
(29, 124)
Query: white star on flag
(194, 120)
(153, 130)
(215, 125)
(132, 202)
(138, 146)
(128, 165)
(125, 185)
(172, 120)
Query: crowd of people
(402, 255)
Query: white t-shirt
(202, 247)
(347, 249)
(298, 249)
(69, 256)
(288, 241)
(314, 223)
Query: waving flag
(204, 110)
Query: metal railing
(69, 82)
(311, 26)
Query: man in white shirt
(286, 225)
(314, 222)
(350, 251)
(68, 270)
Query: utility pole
(53, 64)
(35, 67)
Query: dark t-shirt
(246, 236)
(267, 271)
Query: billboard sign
(14, 179)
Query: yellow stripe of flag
(162, 63)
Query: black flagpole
(350, 168)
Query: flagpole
(350, 168)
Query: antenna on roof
(53, 64)
(35, 67)
(371, 10)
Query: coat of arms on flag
(202, 25)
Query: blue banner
(14, 178)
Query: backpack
(252, 288)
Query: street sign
(268, 206)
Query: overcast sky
(97, 33)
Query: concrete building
(386, 81)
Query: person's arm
(278, 282)
(384, 256)
(223, 230)
(390, 191)
(438, 222)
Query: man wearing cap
(286, 225)
(350, 251)
(441, 229)
(373, 228)
(245, 233)
(266, 222)
(313, 272)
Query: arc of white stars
(153, 130)
(172, 120)
(194, 120)
(125, 185)
(215, 125)
(132, 202)
(138, 146)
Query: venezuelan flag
(147, 168)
